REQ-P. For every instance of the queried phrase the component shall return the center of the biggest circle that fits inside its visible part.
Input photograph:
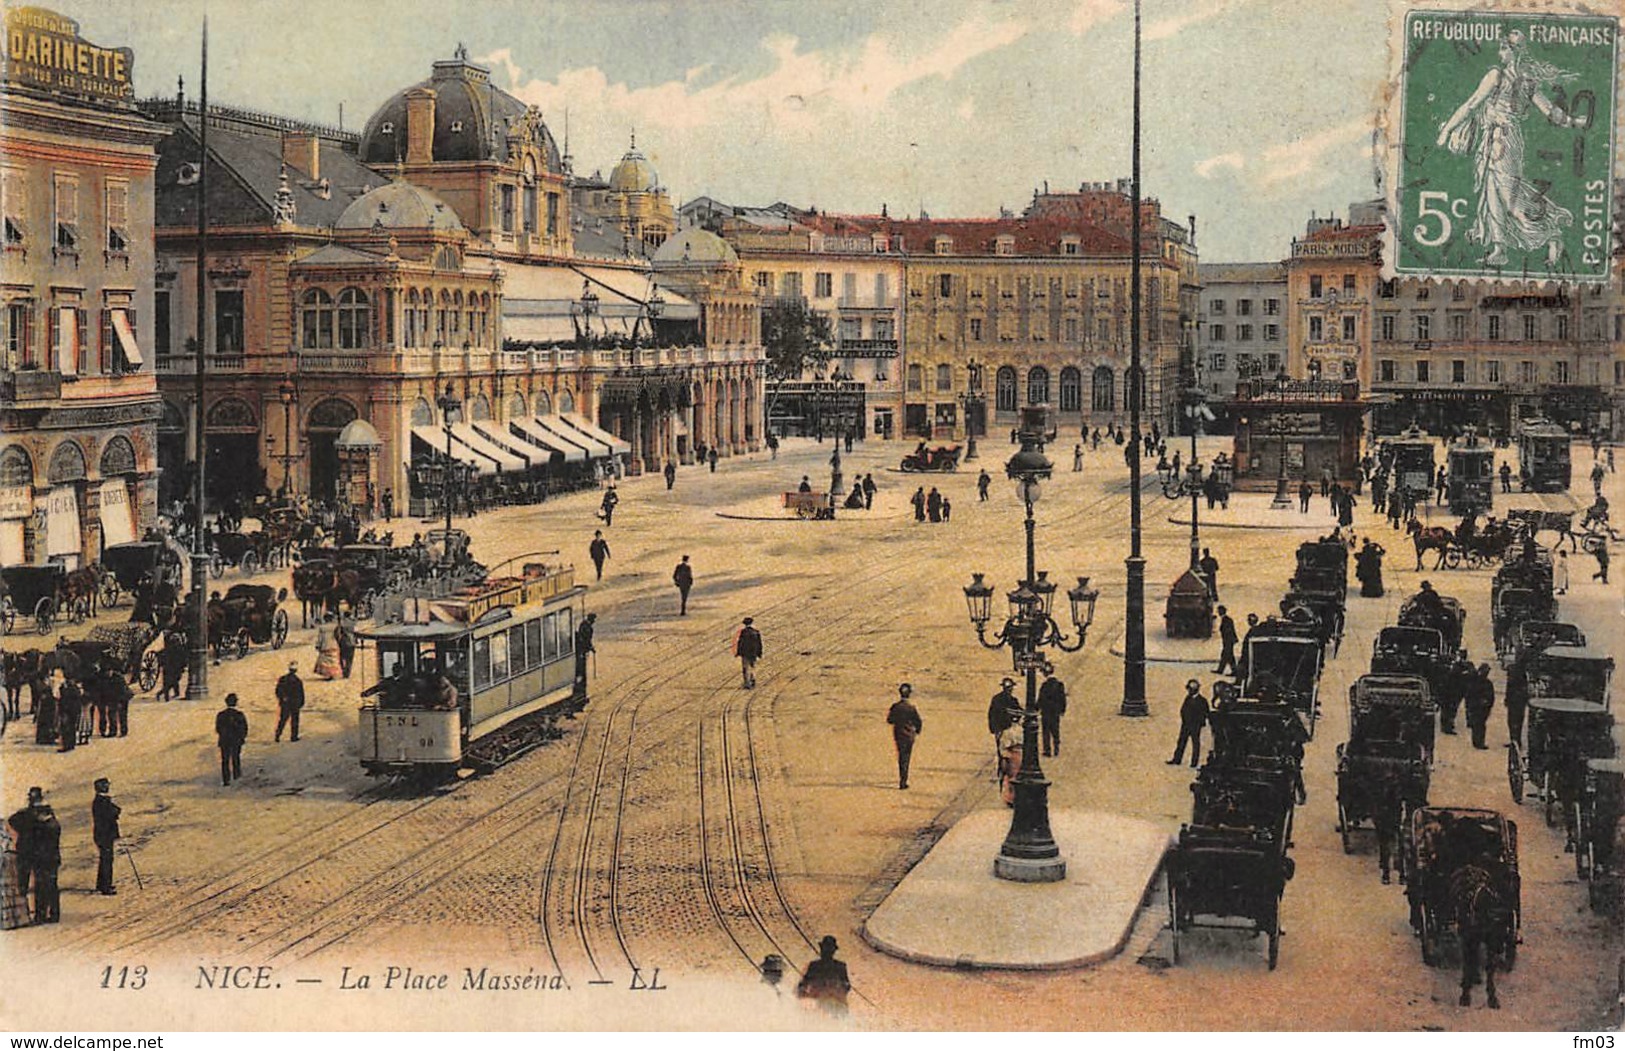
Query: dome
(358, 434)
(398, 206)
(473, 120)
(695, 245)
(634, 174)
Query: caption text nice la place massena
(228, 977)
(1487, 32)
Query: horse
(313, 583)
(1430, 538)
(81, 587)
(1559, 522)
(1484, 926)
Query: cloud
(1198, 12)
(1296, 159)
(1209, 167)
(1089, 13)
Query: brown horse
(80, 588)
(1485, 927)
(1430, 538)
(313, 583)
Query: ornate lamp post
(972, 399)
(582, 311)
(285, 393)
(1029, 853)
(448, 404)
(1282, 501)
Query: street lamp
(1282, 501)
(285, 393)
(1029, 853)
(972, 399)
(448, 404)
(585, 307)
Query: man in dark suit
(231, 728)
(290, 701)
(748, 648)
(683, 577)
(1227, 642)
(104, 822)
(905, 727)
(1051, 706)
(825, 980)
(39, 855)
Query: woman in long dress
(13, 903)
(1512, 212)
(327, 650)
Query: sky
(1255, 112)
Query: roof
(695, 246)
(1242, 273)
(972, 237)
(338, 255)
(634, 173)
(1345, 233)
(399, 206)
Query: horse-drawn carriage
(1283, 662)
(1561, 669)
(1530, 637)
(249, 552)
(1223, 872)
(1393, 708)
(942, 458)
(1563, 733)
(1598, 853)
(1463, 865)
(1403, 650)
(1383, 770)
(356, 574)
(1322, 611)
(42, 594)
(126, 649)
(248, 614)
(1514, 611)
(1440, 612)
(1323, 566)
(127, 569)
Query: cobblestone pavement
(689, 825)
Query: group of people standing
(932, 506)
(71, 699)
(31, 847)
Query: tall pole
(1190, 473)
(197, 679)
(1134, 630)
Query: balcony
(30, 385)
(866, 348)
(186, 364)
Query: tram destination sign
(44, 50)
(1506, 144)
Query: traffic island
(951, 911)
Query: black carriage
(1599, 854)
(1563, 733)
(1401, 650)
(1442, 842)
(248, 614)
(1325, 612)
(249, 552)
(1217, 872)
(1515, 613)
(1470, 475)
(942, 458)
(1442, 613)
(38, 593)
(1323, 565)
(1284, 666)
(131, 567)
(1532, 637)
(1256, 733)
(1380, 781)
(126, 649)
(1393, 708)
(1543, 457)
(1562, 670)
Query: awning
(555, 425)
(126, 337)
(118, 518)
(465, 433)
(62, 521)
(534, 433)
(67, 327)
(435, 439)
(498, 435)
(11, 542)
(592, 430)
(682, 428)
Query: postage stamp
(1506, 144)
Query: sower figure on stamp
(905, 727)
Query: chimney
(420, 126)
(301, 152)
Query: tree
(794, 338)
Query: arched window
(544, 403)
(1103, 392)
(1130, 396)
(410, 316)
(355, 319)
(316, 320)
(1038, 385)
(479, 407)
(516, 406)
(1004, 389)
(1071, 390)
(67, 463)
(331, 414)
(567, 402)
(118, 457)
(422, 413)
(16, 467)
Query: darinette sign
(1506, 145)
(44, 50)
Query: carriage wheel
(242, 642)
(8, 616)
(804, 511)
(1452, 558)
(1549, 797)
(44, 615)
(109, 591)
(1474, 559)
(1515, 772)
(78, 608)
(249, 563)
(149, 672)
(1173, 912)
(279, 629)
(1343, 827)
(217, 565)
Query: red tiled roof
(1346, 233)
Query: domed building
(630, 205)
(484, 152)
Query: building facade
(78, 398)
(1241, 328)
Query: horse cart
(1323, 566)
(1220, 872)
(1323, 610)
(1563, 733)
(1393, 708)
(807, 506)
(249, 552)
(126, 648)
(1560, 669)
(248, 614)
(1463, 865)
(942, 458)
(1598, 853)
(1285, 667)
(39, 593)
(130, 567)
(1531, 637)
(1442, 613)
(1513, 613)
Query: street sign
(1506, 147)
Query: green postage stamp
(1506, 148)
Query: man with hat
(825, 980)
(1051, 706)
(39, 855)
(1193, 714)
(290, 700)
(231, 728)
(104, 820)
(905, 727)
(748, 648)
(1003, 711)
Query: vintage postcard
(746, 515)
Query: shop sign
(45, 50)
(16, 501)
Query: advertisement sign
(45, 50)
(16, 501)
(1506, 145)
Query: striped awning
(597, 433)
(533, 432)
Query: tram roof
(416, 632)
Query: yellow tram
(1543, 456)
(453, 672)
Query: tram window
(499, 656)
(567, 631)
(454, 662)
(389, 661)
(518, 659)
(550, 635)
(482, 663)
(533, 642)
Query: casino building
(78, 397)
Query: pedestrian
(1506, 477)
(172, 659)
(1304, 493)
(14, 678)
(1227, 642)
(1193, 712)
(1597, 475)
(290, 701)
(947, 507)
(1003, 712)
(584, 646)
(748, 648)
(42, 699)
(671, 474)
(868, 491)
(905, 727)
(13, 892)
(389, 504)
(848, 441)
(1051, 706)
(1560, 573)
(711, 458)
(1210, 571)
(1325, 481)
(230, 731)
(773, 444)
(327, 652)
(825, 981)
(118, 695)
(1004, 722)
(1441, 485)
(1480, 700)
(1454, 685)
(1368, 568)
(99, 700)
(344, 635)
(69, 705)
(983, 480)
(918, 500)
(1396, 509)
(683, 577)
(1077, 457)
(598, 551)
(1608, 453)
(933, 505)
(1599, 551)
(104, 832)
(606, 508)
(805, 486)
(39, 855)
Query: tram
(1470, 474)
(471, 680)
(1413, 462)
(1543, 456)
